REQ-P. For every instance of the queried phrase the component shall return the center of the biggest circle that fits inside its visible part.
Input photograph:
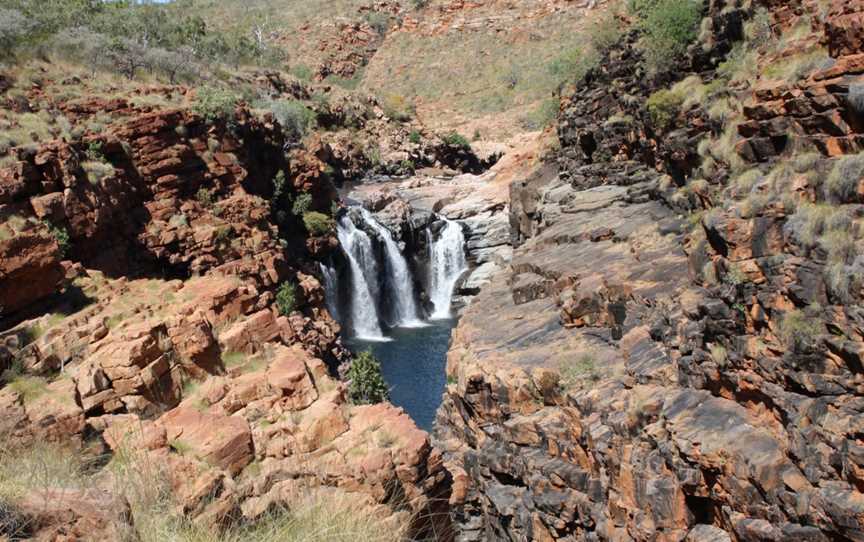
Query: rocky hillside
(661, 335)
(160, 309)
(513, 55)
(677, 342)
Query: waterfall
(446, 263)
(331, 291)
(361, 257)
(404, 307)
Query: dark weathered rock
(642, 380)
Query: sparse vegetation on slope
(316, 515)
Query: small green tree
(302, 204)
(286, 298)
(214, 103)
(61, 235)
(318, 223)
(668, 27)
(366, 385)
(14, 27)
(457, 140)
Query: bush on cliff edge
(318, 223)
(668, 27)
(286, 298)
(366, 383)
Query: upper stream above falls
(398, 303)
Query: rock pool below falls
(414, 365)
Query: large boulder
(30, 269)
(222, 441)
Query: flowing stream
(447, 263)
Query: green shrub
(301, 71)
(840, 245)
(61, 235)
(366, 383)
(641, 8)
(398, 108)
(842, 280)
(576, 372)
(302, 204)
(286, 298)
(573, 64)
(415, 137)
(407, 166)
(347, 83)
(719, 354)
(205, 197)
(456, 140)
(668, 27)
(663, 107)
(14, 27)
(94, 152)
(811, 221)
(842, 183)
(543, 116)
(215, 103)
(800, 328)
(318, 223)
(379, 21)
(97, 171)
(604, 32)
(16, 368)
(296, 119)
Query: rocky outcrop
(820, 110)
(283, 412)
(30, 268)
(69, 514)
(649, 379)
(166, 337)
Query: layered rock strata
(159, 335)
(646, 378)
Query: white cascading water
(361, 257)
(446, 263)
(331, 291)
(405, 312)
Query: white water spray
(405, 312)
(446, 263)
(361, 257)
(331, 290)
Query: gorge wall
(146, 315)
(671, 357)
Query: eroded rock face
(620, 393)
(66, 514)
(165, 337)
(292, 420)
(30, 269)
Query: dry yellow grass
(316, 515)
